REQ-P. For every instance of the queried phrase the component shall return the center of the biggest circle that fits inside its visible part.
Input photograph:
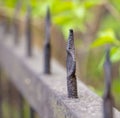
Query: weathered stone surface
(47, 93)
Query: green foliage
(116, 91)
(9, 3)
(108, 37)
(66, 14)
(116, 86)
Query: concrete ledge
(47, 94)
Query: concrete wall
(46, 93)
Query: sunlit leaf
(59, 7)
(106, 37)
(62, 18)
(115, 54)
(116, 86)
(80, 12)
(114, 57)
(90, 4)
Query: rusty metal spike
(29, 32)
(108, 99)
(71, 67)
(47, 46)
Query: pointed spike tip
(48, 15)
(70, 44)
(71, 31)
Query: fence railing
(44, 89)
(11, 101)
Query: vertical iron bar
(32, 113)
(71, 67)
(10, 99)
(1, 113)
(3, 27)
(6, 25)
(29, 32)
(47, 45)
(21, 106)
(16, 24)
(108, 99)
(16, 32)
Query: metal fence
(70, 67)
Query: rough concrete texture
(47, 93)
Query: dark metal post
(32, 113)
(21, 106)
(6, 25)
(108, 99)
(29, 32)
(1, 113)
(16, 32)
(15, 23)
(47, 46)
(71, 67)
(10, 99)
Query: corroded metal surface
(108, 99)
(47, 45)
(71, 67)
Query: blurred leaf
(115, 54)
(80, 11)
(63, 18)
(116, 86)
(114, 57)
(61, 7)
(90, 4)
(106, 37)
